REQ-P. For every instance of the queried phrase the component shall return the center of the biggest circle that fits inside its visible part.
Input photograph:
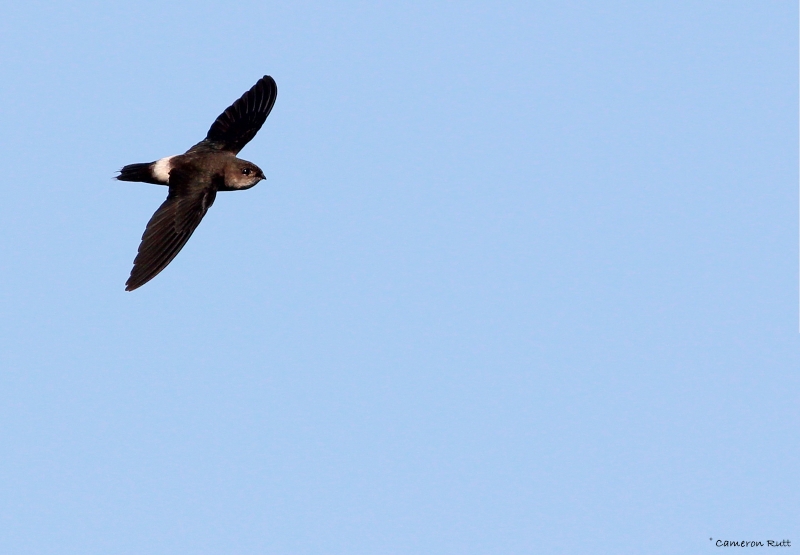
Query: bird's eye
(246, 171)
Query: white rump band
(161, 169)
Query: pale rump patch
(161, 169)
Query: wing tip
(132, 284)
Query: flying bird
(195, 177)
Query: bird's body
(223, 169)
(195, 177)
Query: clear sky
(523, 278)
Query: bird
(195, 177)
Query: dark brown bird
(195, 177)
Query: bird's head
(242, 175)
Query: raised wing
(170, 228)
(240, 122)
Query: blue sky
(523, 278)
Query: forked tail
(139, 172)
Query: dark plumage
(195, 177)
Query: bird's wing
(170, 227)
(240, 122)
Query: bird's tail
(139, 172)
